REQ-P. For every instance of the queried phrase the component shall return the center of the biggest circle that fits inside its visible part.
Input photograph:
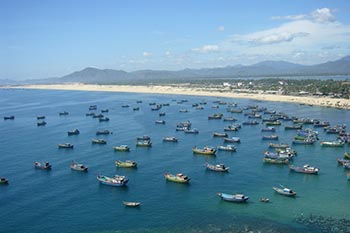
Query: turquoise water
(62, 200)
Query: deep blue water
(62, 200)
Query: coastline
(194, 91)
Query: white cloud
(221, 28)
(323, 15)
(167, 53)
(290, 17)
(277, 37)
(146, 54)
(207, 49)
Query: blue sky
(40, 39)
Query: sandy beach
(196, 91)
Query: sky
(51, 38)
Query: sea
(62, 200)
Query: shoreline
(194, 91)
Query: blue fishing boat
(113, 181)
(233, 197)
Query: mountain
(261, 69)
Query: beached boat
(122, 148)
(233, 197)
(131, 203)
(217, 134)
(3, 180)
(113, 181)
(40, 117)
(179, 178)
(306, 169)
(191, 131)
(73, 132)
(232, 139)
(205, 151)
(9, 118)
(282, 145)
(41, 123)
(105, 132)
(65, 113)
(337, 143)
(170, 139)
(160, 122)
(78, 166)
(289, 127)
(127, 163)
(217, 167)
(284, 191)
(231, 148)
(66, 146)
(268, 129)
(270, 137)
(143, 143)
(275, 161)
(42, 166)
(98, 141)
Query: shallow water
(62, 200)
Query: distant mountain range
(262, 69)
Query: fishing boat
(307, 141)
(113, 181)
(337, 143)
(105, 132)
(282, 145)
(270, 137)
(306, 169)
(131, 204)
(40, 117)
(181, 128)
(160, 122)
(144, 137)
(179, 178)
(136, 109)
(90, 114)
(191, 131)
(183, 110)
(275, 161)
(229, 119)
(78, 166)
(343, 161)
(346, 155)
(170, 139)
(98, 116)
(232, 139)
(216, 116)
(41, 123)
(73, 132)
(268, 129)
(103, 119)
(346, 166)
(125, 105)
(186, 124)
(218, 167)
(233, 197)
(250, 123)
(122, 148)
(139, 101)
(217, 134)
(98, 141)
(161, 114)
(66, 146)
(264, 199)
(231, 148)
(127, 163)
(104, 110)
(270, 123)
(278, 155)
(3, 180)
(234, 127)
(144, 143)
(298, 126)
(205, 151)
(156, 107)
(284, 191)
(92, 107)
(42, 166)
(65, 113)
(322, 124)
(233, 110)
(9, 118)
